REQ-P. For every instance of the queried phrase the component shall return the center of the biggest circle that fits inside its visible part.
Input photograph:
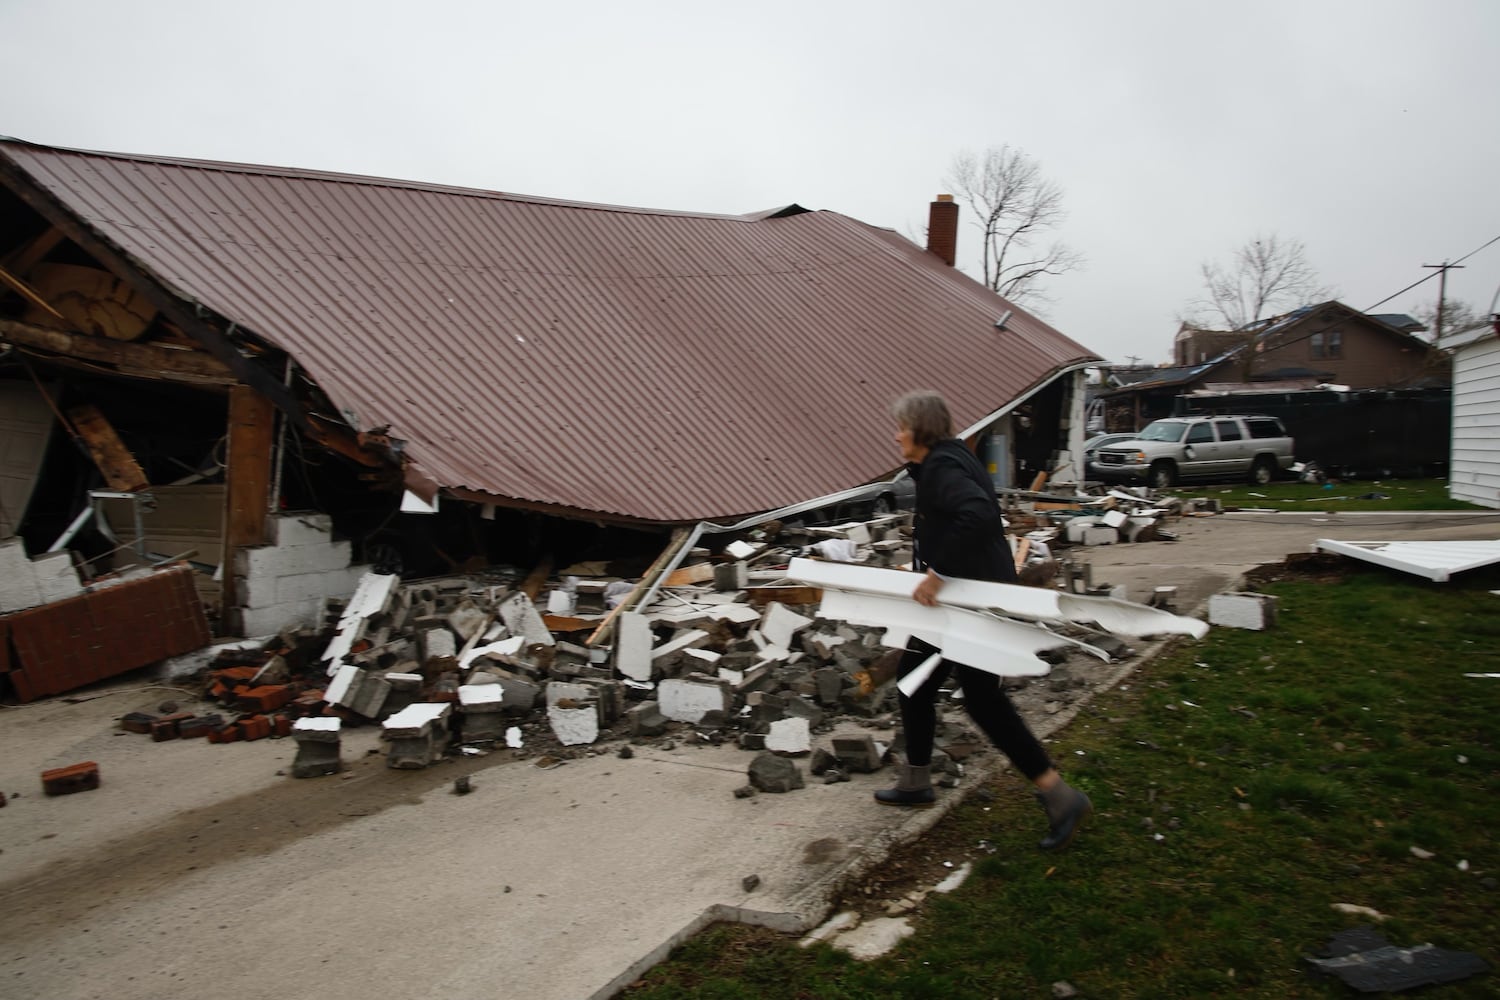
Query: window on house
(1328, 344)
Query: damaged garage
(238, 391)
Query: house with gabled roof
(284, 339)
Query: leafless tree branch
(1011, 203)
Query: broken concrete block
(669, 653)
(521, 618)
(633, 641)
(731, 576)
(439, 642)
(830, 682)
(358, 690)
(646, 719)
(686, 699)
(765, 708)
(482, 711)
(822, 762)
(780, 624)
(822, 644)
(317, 747)
(520, 694)
(56, 576)
(798, 707)
(1099, 534)
(18, 584)
(1076, 526)
(404, 688)
(468, 620)
(417, 735)
(789, 736)
(1242, 610)
(770, 773)
(743, 549)
(859, 753)
(371, 597)
(574, 724)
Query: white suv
(1255, 448)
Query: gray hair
(925, 414)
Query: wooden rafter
(167, 361)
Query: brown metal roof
(666, 366)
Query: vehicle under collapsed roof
(272, 339)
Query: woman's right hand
(927, 591)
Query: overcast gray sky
(1178, 130)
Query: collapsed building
(265, 384)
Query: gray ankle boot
(913, 788)
(1066, 809)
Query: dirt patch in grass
(1305, 567)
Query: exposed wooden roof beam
(167, 361)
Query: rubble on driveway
(716, 646)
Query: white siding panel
(1474, 467)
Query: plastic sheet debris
(1366, 961)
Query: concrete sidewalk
(196, 866)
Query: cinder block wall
(286, 581)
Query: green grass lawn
(1342, 495)
(1243, 784)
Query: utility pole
(1443, 270)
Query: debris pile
(715, 647)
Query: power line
(1429, 277)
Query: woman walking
(958, 533)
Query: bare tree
(1014, 206)
(1266, 276)
(1458, 317)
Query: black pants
(985, 701)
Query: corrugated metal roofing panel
(660, 365)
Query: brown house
(1194, 345)
(1327, 342)
(1347, 346)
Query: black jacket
(958, 530)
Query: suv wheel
(1262, 472)
(1162, 475)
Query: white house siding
(1474, 468)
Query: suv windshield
(1162, 430)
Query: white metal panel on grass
(1436, 561)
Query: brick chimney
(942, 228)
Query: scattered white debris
(1356, 910)
(956, 879)
(875, 938)
(837, 924)
(1418, 852)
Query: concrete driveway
(195, 867)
